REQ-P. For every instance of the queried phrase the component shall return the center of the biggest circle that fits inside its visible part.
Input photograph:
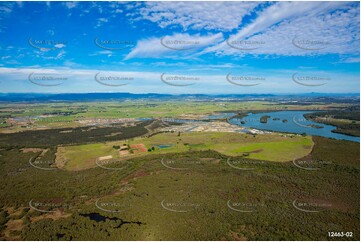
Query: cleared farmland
(271, 147)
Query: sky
(180, 47)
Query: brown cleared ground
(138, 148)
(11, 227)
(56, 215)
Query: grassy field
(63, 115)
(84, 156)
(270, 147)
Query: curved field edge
(271, 147)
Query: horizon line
(179, 94)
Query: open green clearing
(84, 156)
(271, 147)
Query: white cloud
(174, 45)
(51, 32)
(5, 9)
(60, 55)
(278, 25)
(350, 60)
(100, 22)
(20, 4)
(197, 15)
(59, 46)
(336, 24)
(50, 55)
(71, 5)
(282, 11)
(82, 80)
(109, 53)
(104, 20)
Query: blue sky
(180, 47)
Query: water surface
(295, 123)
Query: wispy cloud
(173, 45)
(83, 80)
(336, 24)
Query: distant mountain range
(88, 97)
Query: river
(295, 123)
